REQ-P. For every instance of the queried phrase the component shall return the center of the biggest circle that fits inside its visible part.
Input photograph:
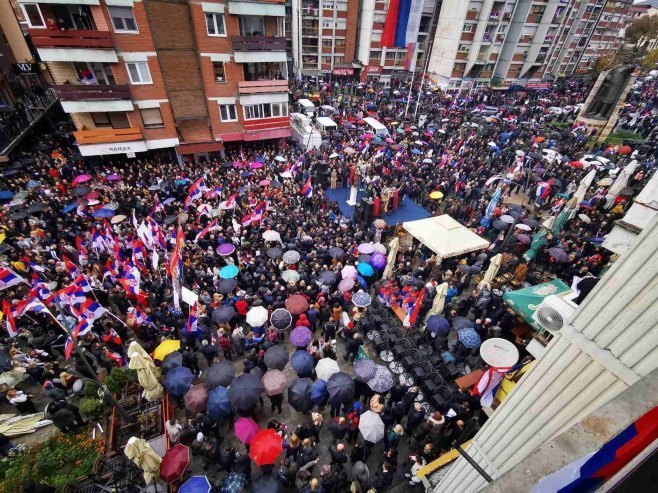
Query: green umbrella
(538, 241)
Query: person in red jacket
(242, 307)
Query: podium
(352, 201)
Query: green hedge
(619, 136)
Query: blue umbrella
(6, 195)
(319, 392)
(103, 213)
(361, 299)
(437, 324)
(302, 362)
(178, 380)
(365, 269)
(416, 151)
(228, 272)
(196, 484)
(260, 159)
(469, 338)
(69, 208)
(219, 405)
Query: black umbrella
(327, 277)
(281, 319)
(534, 155)
(515, 207)
(245, 391)
(460, 323)
(530, 222)
(11, 172)
(266, 484)
(220, 374)
(299, 395)
(340, 387)
(172, 360)
(223, 314)
(275, 252)
(36, 207)
(500, 225)
(276, 358)
(227, 285)
(336, 252)
(169, 220)
(81, 190)
(276, 184)
(19, 216)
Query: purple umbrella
(365, 369)
(245, 429)
(196, 399)
(256, 165)
(300, 336)
(366, 248)
(558, 254)
(225, 249)
(523, 239)
(113, 177)
(378, 261)
(237, 164)
(346, 284)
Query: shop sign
(343, 71)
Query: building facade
(140, 75)
(478, 42)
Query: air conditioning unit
(554, 311)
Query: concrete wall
(446, 39)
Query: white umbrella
(325, 368)
(371, 426)
(523, 227)
(333, 155)
(392, 254)
(584, 218)
(621, 181)
(439, 299)
(257, 316)
(492, 270)
(271, 235)
(286, 174)
(290, 276)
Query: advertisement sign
(113, 148)
(25, 68)
(368, 70)
(343, 71)
(538, 85)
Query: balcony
(107, 135)
(262, 86)
(94, 98)
(256, 49)
(267, 8)
(73, 45)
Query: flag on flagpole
(9, 278)
(191, 325)
(307, 189)
(211, 227)
(90, 310)
(8, 310)
(195, 192)
(68, 348)
(141, 317)
(488, 384)
(230, 202)
(82, 328)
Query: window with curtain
(252, 25)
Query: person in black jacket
(338, 454)
(414, 418)
(358, 453)
(352, 347)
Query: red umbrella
(625, 150)
(576, 164)
(265, 447)
(174, 463)
(297, 304)
(196, 399)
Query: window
(376, 37)
(375, 54)
(326, 59)
(379, 18)
(327, 24)
(463, 48)
(227, 113)
(341, 24)
(252, 25)
(33, 15)
(110, 120)
(339, 59)
(468, 28)
(215, 24)
(339, 42)
(90, 73)
(265, 110)
(152, 118)
(279, 109)
(219, 71)
(326, 43)
(538, 9)
(139, 72)
(123, 19)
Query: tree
(605, 62)
(644, 26)
(650, 59)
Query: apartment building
(528, 41)
(137, 75)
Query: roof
(445, 236)
(325, 121)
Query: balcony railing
(17, 120)
(262, 86)
(74, 92)
(50, 38)
(107, 135)
(258, 43)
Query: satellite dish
(499, 353)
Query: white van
(306, 107)
(325, 124)
(376, 127)
(303, 131)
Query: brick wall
(102, 23)
(83, 121)
(62, 72)
(169, 130)
(195, 131)
(140, 42)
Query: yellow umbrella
(436, 195)
(146, 374)
(166, 347)
(394, 123)
(140, 452)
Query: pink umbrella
(349, 271)
(113, 177)
(389, 140)
(264, 183)
(346, 284)
(81, 179)
(92, 195)
(256, 165)
(237, 164)
(245, 429)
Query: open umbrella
(437, 324)
(523, 239)
(140, 452)
(174, 463)
(365, 269)
(36, 207)
(245, 391)
(271, 235)
(531, 222)
(361, 299)
(166, 347)
(219, 405)
(290, 276)
(196, 484)
(336, 252)
(460, 323)
(382, 381)
(276, 357)
(80, 179)
(325, 368)
(281, 319)
(223, 314)
(371, 426)
(469, 338)
(220, 374)
(299, 395)
(274, 252)
(274, 382)
(302, 362)
(349, 271)
(103, 213)
(327, 278)
(346, 284)
(196, 399)
(178, 380)
(558, 254)
(319, 392)
(227, 285)
(340, 387)
(265, 447)
(297, 304)
(365, 369)
(257, 316)
(300, 336)
(233, 482)
(378, 260)
(228, 272)
(172, 360)
(523, 227)
(225, 249)
(291, 257)
(366, 248)
(245, 429)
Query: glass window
(33, 15)
(110, 120)
(101, 120)
(376, 54)
(339, 42)
(139, 72)
(227, 113)
(215, 24)
(219, 71)
(339, 59)
(252, 25)
(152, 118)
(123, 19)
(376, 36)
(468, 28)
(326, 43)
(538, 9)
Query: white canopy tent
(445, 236)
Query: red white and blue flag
(9, 278)
(31, 304)
(191, 325)
(213, 193)
(82, 328)
(211, 227)
(307, 189)
(71, 295)
(141, 317)
(230, 202)
(130, 281)
(195, 192)
(10, 322)
(90, 310)
(68, 348)
(488, 384)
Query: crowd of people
(98, 251)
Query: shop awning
(525, 301)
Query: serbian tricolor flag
(71, 268)
(141, 317)
(211, 227)
(8, 310)
(9, 278)
(307, 189)
(191, 325)
(589, 473)
(71, 295)
(131, 281)
(231, 201)
(68, 348)
(31, 304)
(195, 192)
(488, 384)
(82, 329)
(90, 310)
(259, 212)
(214, 192)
